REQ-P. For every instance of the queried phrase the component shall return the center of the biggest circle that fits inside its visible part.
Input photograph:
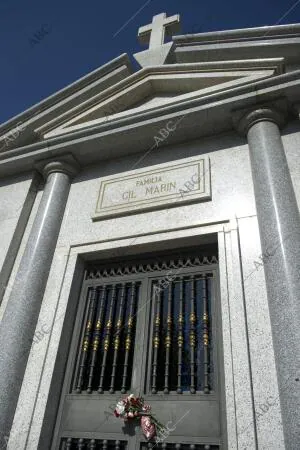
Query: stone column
(279, 225)
(20, 317)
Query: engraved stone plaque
(161, 186)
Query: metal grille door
(104, 362)
(181, 354)
(151, 330)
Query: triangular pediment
(153, 88)
(21, 130)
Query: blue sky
(80, 37)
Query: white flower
(120, 408)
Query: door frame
(146, 280)
(71, 274)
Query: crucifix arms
(154, 33)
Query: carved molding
(65, 164)
(273, 112)
(156, 266)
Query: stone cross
(154, 33)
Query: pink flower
(148, 427)
(146, 408)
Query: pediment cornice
(75, 93)
(213, 114)
(177, 82)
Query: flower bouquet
(131, 408)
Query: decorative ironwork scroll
(144, 268)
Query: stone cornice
(28, 130)
(262, 42)
(243, 33)
(133, 134)
(103, 77)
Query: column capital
(63, 164)
(244, 119)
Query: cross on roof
(154, 33)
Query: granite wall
(17, 196)
(252, 402)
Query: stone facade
(232, 104)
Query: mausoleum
(150, 245)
